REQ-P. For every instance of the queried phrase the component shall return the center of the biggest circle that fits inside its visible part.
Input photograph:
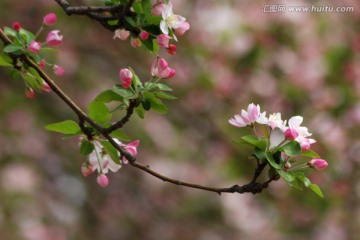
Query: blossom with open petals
(34, 46)
(170, 20)
(101, 161)
(161, 69)
(131, 148)
(299, 133)
(249, 117)
(53, 38)
(122, 34)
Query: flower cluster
(33, 47)
(99, 160)
(280, 143)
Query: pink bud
(135, 42)
(305, 145)
(45, 87)
(182, 29)
(125, 77)
(50, 19)
(144, 35)
(102, 180)
(16, 26)
(161, 69)
(318, 164)
(172, 49)
(42, 64)
(30, 93)
(291, 134)
(59, 71)
(163, 40)
(158, 8)
(122, 34)
(87, 169)
(34, 46)
(53, 38)
(162, 64)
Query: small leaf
(36, 75)
(131, 21)
(99, 112)
(296, 184)
(146, 5)
(119, 135)
(5, 61)
(292, 148)
(271, 160)
(140, 112)
(163, 87)
(310, 154)
(260, 154)
(11, 48)
(9, 32)
(112, 151)
(288, 176)
(146, 104)
(125, 93)
(32, 81)
(302, 178)
(28, 36)
(165, 95)
(113, 22)
(260, 143)
(86, 147)
(66, 127)
(108, 96)
(316, 190)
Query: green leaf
(140, 112)
(113, 22)
(120, 135)
(146, 5)
(108, 96)
(137, 7)
(292, 148)
(112, 151)
(66, 127)
(271, 160)
(48, 49)
(36, 75)
(163, 87)
(10, 32)
(302, 178)
(131, 21)
(152, 98)
(12, 48)
(260, 143)
(5, 61)
(260, 154)
(296, 184)
(165, 95)
(26, 35)
(124, 92)
(32, 81)
(86, 147)
(99, 112)
(310, 154)
(146, 104)
(316, 190)
(288, 176)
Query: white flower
(101, 161)
(274, 121)
(170, 20)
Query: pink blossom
(102, 180)
(249, 117)
(318, 164)
(182, 29)
(301, 132)
(125, 77)
(45, 87)
(158, 8)
(58, 71)
(135, 42)
(132, 149)
(50, 19)
(171, 49)
(163, 40)
(87, 169)
(53, 38)
(34, 46)
(161, 69)
(16, 26)
(30, 93)
(144, 35)
(291, 134)
(122, 34)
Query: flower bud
(291, 134)
(42, 64)
(50, 19)
(125, 76)
(305, 145)
(122, 34)
(135, 42)
(16, 26)
(45, 87)
(158, 8)
(53, 38)
(182, 29)
(318, 164)
(144, 35)
(287, 165)
(58, 71)
(102, 180)
(34, 47)
(172, 49)
(87, 169)
(30, 93)
(163, 40)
